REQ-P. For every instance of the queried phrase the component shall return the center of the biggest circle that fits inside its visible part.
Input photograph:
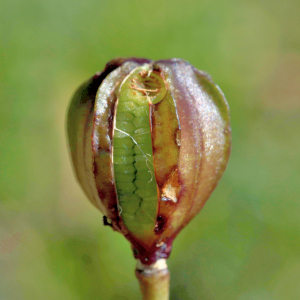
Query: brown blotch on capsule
(170, 190)
(178, 137)
(160, 222)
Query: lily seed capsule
(149, 142)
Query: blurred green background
(245, 244)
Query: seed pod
(149, 142)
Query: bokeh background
(245, 244)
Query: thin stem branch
(154, 280)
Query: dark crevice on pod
(149, 142)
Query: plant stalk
(154, 280)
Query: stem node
(154, 280)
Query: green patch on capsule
(132, 150)
(123, 169)
(141, 111)
(125, 142)
(123, 152)
(141, 122)
(126, 116)
(121, 160)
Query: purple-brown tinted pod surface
(149, 142)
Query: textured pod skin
(203, 141)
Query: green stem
(154, 280)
